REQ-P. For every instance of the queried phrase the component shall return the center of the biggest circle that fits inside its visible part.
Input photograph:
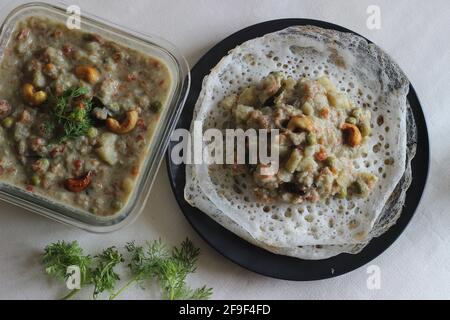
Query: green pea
(114, 107)
(45, 164)
(351, 120)
(342, 193)
(35, 180)
(357, 113)
(307, 109)
(92, 132)
(78, 114)
(311, 139)
(365, 129)
(156, 106)
(7, 122)
(117, 204)
(331, 161)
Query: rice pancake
(369, 78)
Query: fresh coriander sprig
(153, 261)
(174, 270)
(98, 271)
(169, 268)
(104, 277)
(143, 262)
(60, 255)
(69, 120)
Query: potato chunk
(338, 100)
(242, 112)
(294, 160)
(249, 97)
(107, 150)
(327, 84)
(228, 102)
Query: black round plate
(259, 260)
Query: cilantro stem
(154, 261)
(126, 286)
(71, 294)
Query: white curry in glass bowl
(77, 114)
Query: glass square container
(146, 44)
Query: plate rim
(327, 267)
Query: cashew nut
(352, 135)
(88, 74)
(300, 123)
(78, 184)
(33, 97)
(126, 126)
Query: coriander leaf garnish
(104, 277)
(169, 268)
(70, 115)
(48, 127)
(144, 263)
(60, 255)
(173, 271)
(152, 261)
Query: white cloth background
(415, 33)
